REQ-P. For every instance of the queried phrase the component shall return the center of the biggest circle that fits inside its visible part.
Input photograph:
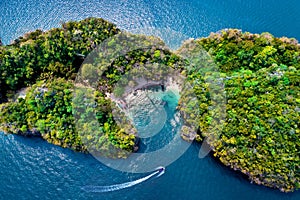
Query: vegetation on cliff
(58, 52)
(261, 133)
(48, 62)
(259, 75)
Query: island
(259, 135)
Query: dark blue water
(194, 18)
(33, 169)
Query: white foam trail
(161, 173)
(115, 187)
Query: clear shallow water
(33, 169)
(158, 111)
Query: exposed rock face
(188, 134)
(30, 133)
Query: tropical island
(260, 135)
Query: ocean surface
(193, 18)
(30, 168)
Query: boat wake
(101, 189)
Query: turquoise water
(159, 118)
(33, 169)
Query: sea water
(30, 168)
(188, 18)
(155, 118)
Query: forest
(260, 135)
(249, 99)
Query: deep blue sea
(30, 168)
